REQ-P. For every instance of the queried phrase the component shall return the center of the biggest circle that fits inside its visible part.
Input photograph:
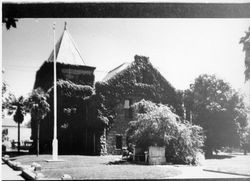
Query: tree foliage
(19, 106)
(218, 109)
(9, 22)
(245, 139)
(39, 108)
(245, 40)
(38, 105)
(7, 99)
(158, 125)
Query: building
(88, 124)
(9, 129)
(130, 83)
(79, 130)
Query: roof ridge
(74, 44)
(67, 51)
(113, 72)
(57, 48)
(117, 67)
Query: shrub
(158, 125)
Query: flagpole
(55, 141)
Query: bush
(158, 125)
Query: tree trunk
(37, 140)
(18, 137)
(209, 153)
(94, 141)
(245, 149)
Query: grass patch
(97, 167)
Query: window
(128, 112)
(118, 141)
(126, 104)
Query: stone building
(82, 128)
(130, 83)
(78, 130)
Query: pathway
(198, 172)
(10, 174)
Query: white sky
(181, 49)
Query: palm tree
(18, 116)
(39, 108)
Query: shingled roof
(66, 50)
(115, 71)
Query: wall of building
(118, 129)
(139, 80)
(120, 125)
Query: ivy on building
(80, 111)
(44, 76)
(139, 80)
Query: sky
(181, 49)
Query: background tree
(18, 105)
(246, 47)
(158, 125)
(219, 110)
(39, 108)
(245, 139)
(7, 99)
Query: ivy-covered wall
(81, 122)
(140, 80)
(83, 75)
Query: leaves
(19, 115)
(9, 22)
(37, 103)
(246, 47)
(218, 108)
(156, 124)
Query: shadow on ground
(219, 157)
(216, 171)
(13, 154)
(125, 162)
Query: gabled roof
(66, 50)
(115, 71)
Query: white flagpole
(55, 142)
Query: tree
(39, 108)
(245, 139)
(246, 47)
(9, 22)
(19, 115)
(217, 108)
(158, 125)
(7, 98)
